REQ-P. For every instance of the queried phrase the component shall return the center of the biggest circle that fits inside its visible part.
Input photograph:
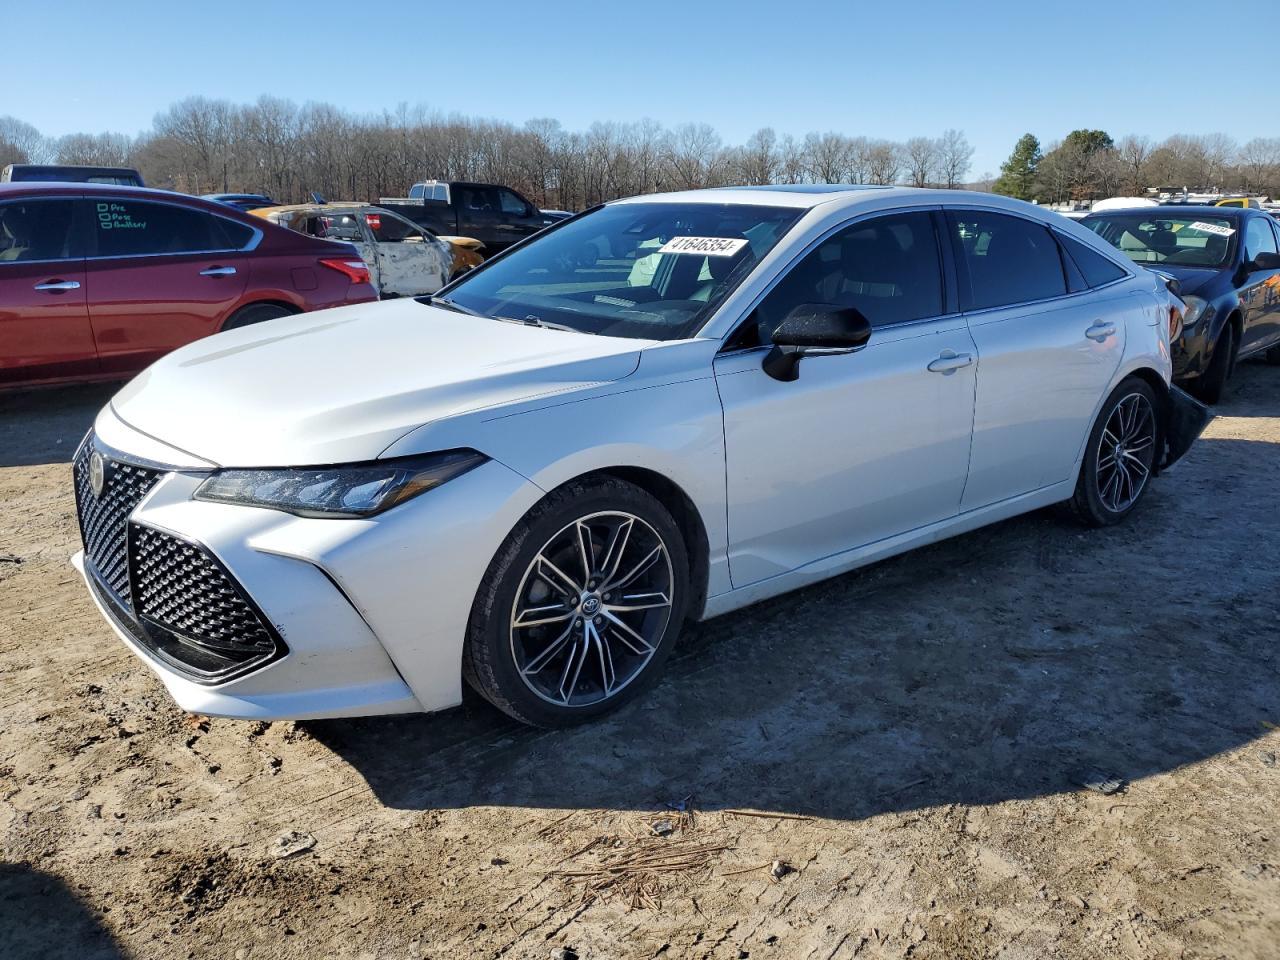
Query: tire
(1103, 495)
(256, 313)
(1213, 382)
(526, 581)
(1273, 356)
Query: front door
(1259, 295)
(44, 323)
(159, 275)
(411, 262)
(861, 446)
(1046, 356)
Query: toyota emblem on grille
(97, 473)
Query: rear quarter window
(1096, 269)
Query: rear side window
(1004, 260)
(130, 228)
(38, 230)
(1096, 269)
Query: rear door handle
(950, 362)
(1100, 331)
(58, 286)
(218, 272)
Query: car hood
(342, 385)
(1190, 279)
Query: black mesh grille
(103, 518)
(180, 588)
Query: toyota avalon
(660, 410)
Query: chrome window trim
(811, 246)
(249, 247)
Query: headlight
(1196, 307)
(349, 490)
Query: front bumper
(371, 614)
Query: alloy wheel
(591, 609)
(1126, 452)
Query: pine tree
(1018, 173)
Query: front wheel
(1213, 382)
(581, 605)
(1120, 455)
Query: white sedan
(661, 410)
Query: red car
(96, 282)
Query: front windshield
(654, 271)
(1188, 241)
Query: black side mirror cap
(812, 328)
(1266, 261)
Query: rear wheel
(580, 607)
(1213, 382)
(256, 313)
(1120, 456)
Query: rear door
(44, 322)
(160, 275)
(1045, 354)
(480, 215)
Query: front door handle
(58, 286)
(218, 272)
(1100, 331)
(950, 361)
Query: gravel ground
(918, 733)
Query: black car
(242, 201)
(70, 173)
(1227, 263)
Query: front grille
(182, 591)
(103, 518)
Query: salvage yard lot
(923, 727)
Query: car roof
(845, 196)
(1180, 210)
(333, 206)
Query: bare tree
(20, 142)
(955, 156)
(884, 161)
(921, 157)
(1134, 154)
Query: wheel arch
(682, 509)
(267, 301)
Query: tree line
(275, 146)
(1091, 165)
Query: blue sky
(994, 70)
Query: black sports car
(1227, 263)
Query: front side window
(512, 204)
(647, 270)
(887, 267)
(33, 230)
(1258, 238)
(130, 228)
(1004, 260)
(336, 226)
(388, 228)
(1186, 241)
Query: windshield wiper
(532, 321)
(455, 307)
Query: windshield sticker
(704, 246)
(1216, 229)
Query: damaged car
(404, 259)
(662, 410)
(1226, 261)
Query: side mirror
(1266, 261)
(814, 329)
(1174, 286)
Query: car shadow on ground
(41, 917)
(46, 425)
(1022, 659)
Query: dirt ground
(920, 730)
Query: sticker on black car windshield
(1216, 229)
(705, 246)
